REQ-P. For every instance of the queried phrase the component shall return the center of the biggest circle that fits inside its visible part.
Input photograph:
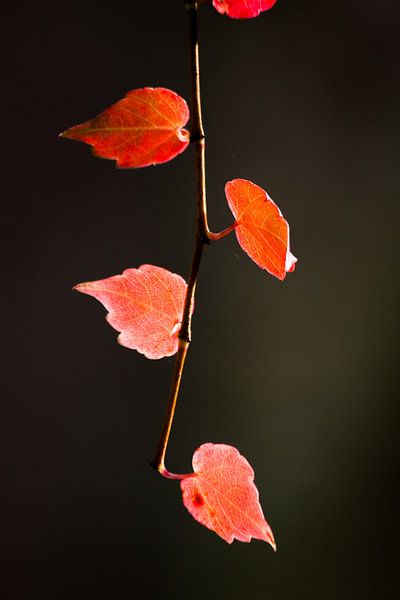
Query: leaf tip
(67, 133)
(269, 538)
(290, 263)
(81, 287)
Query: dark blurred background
(301, 376)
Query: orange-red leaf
(260, 227)
(243, 9)
(144, 128)
(221, 495)
(145, 305)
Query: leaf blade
(221, 495)
(242, 9)
(144, 128)
(145, 305)
(260, 228)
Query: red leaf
(221, 495)
(242, 9)
(142, 129)
(145, 305)
(260, 228)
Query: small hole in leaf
(198, 499)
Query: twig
(203, 237)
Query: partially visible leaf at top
(221, 495)
(243, 9)
(145, 305)
(260, 227)
(144, 128)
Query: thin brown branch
(159, 459)
(202, 238)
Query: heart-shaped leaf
(144, 128)
(243, 9)
(145, 305)
(221, 495)
(260, 227)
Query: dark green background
(301, 376)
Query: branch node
(185, 337)
(197, 137)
